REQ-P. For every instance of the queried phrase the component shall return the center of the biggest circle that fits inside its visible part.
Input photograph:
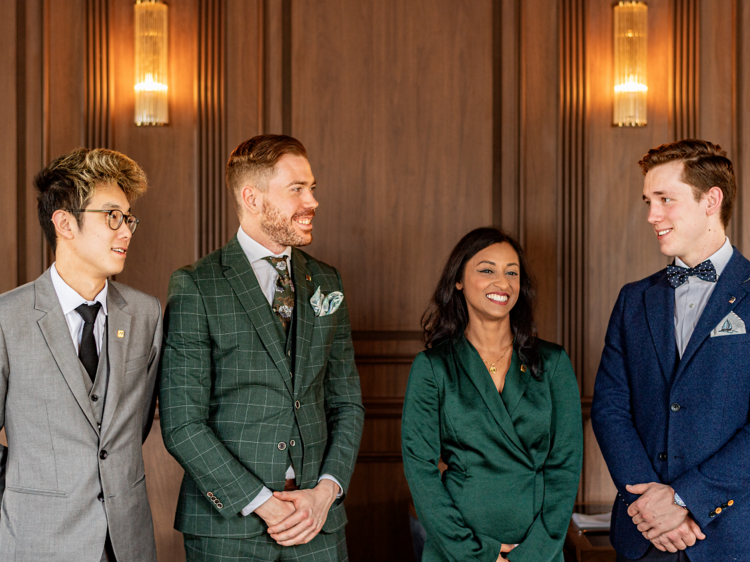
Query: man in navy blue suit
(671, 408)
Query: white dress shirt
(691, 297)
(267, 276)
(70, 300)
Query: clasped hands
(668, 526)
(297, 517)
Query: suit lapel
(660, 314)
(240, 275)
(471, 363)
(303, 314)
(117, 349)
(516, 382)
(57, 335)
(718, 305)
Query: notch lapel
(303, 314)
(117, 351)
(57, 335)
(471, 363)
(240, 275)
(660, 314)
(516, 382)
(718, 305)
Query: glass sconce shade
(631, 43)
(151, 41)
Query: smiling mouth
(500, 299)
(120, 251)
(662, 233)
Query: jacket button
(292, 443)
(297, 405)
(662, 456)
(94, 398)
(210, 494)
(712, 514)
(219, 505)
(730, 503)
(724, 505)
(103, 455)
(718, 510)
(281, 446)
(100, 497)
(288, 353)
(675, 407)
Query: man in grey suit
(78, 361)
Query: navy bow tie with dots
(678, 275)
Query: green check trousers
(262, 548)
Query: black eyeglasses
(114, 217)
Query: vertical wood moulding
(212, 202)
(571, 239)
(685, 77)
(506, 135)
(98, 91)
(739, 119)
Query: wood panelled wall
(423, 119)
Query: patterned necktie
(87, 351)
(283, 301)
(678, 275)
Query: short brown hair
(69, 182)
(705, 165)
(256, 159)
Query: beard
(280, 228)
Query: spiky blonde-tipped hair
(70, 180)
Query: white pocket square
(730, 325)
(328, 305)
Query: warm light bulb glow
(151, 85)
(631, 51)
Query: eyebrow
(493, 263)
(668, 193)
(299, 182)
(114, 206)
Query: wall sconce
(631, 42)
(151, 63)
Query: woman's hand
(505, 549)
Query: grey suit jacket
(66, 480)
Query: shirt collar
(720, 259)
(69, 298)
(255, 251)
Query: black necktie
(87, 352)
(678, 275)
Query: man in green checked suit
(260, 400)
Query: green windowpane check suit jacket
(228, 397)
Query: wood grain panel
(540, 197)
(9, 54)
(212, 150)
(401, 148)
(742, 120)
(167, 236)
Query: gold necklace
(491, 365)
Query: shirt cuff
(263, 496)
(332, 479)
(678, 501)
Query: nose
(654, 214)
(124, 231)
(310, 201)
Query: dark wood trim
(685, 73)
(376, 456)
(98, 75)
(387, 335)
(571, 238)
(212, 197)
(383, 407)
(384, 359)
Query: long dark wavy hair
(447, 315)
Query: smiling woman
(498, 406)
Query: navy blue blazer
(683, 422)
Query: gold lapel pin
(732, 300)
(308, 277)
(523, 368)
(120, 333)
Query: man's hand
(687, 534)
(274, 511)
(655, 512)
(505, 549)
(311, 512)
